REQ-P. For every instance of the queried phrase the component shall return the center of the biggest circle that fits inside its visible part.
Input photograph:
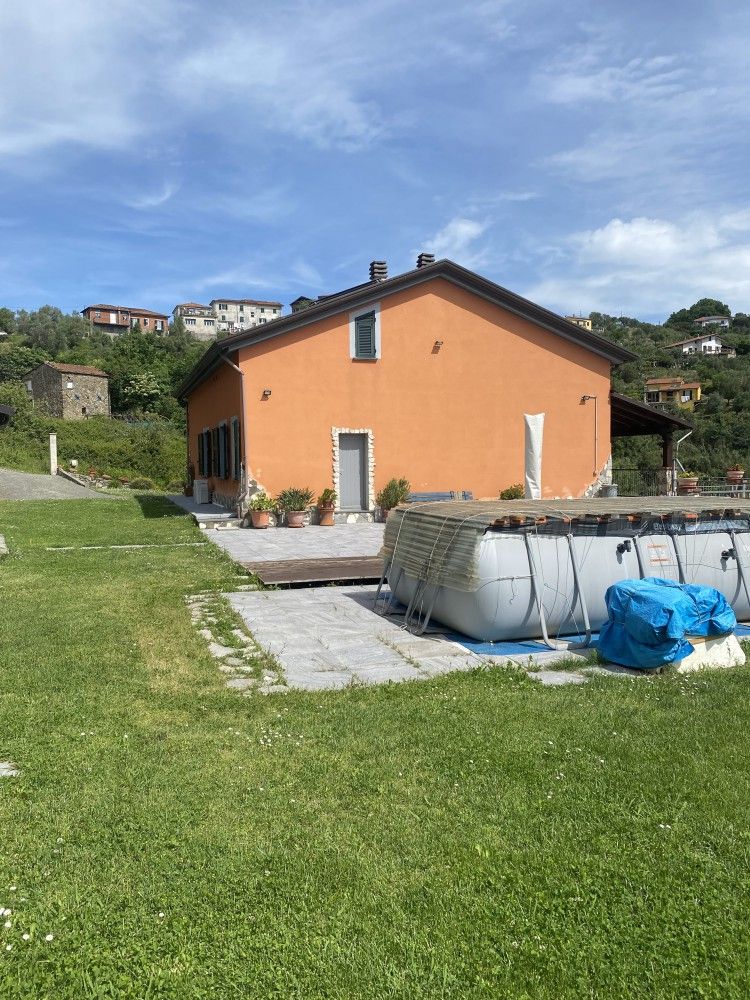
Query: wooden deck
(280, 571)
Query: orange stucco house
(426, 375)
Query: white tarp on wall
(534, 423)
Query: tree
(683, 319)
(16, 361)
(141, 390)
(7, 321)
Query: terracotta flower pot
(295, 519)
(260, 518)
(326, 515)
(688, 484)
(735, 475)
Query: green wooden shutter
(364, 336)
(215, 451)
(236, 450)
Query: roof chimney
(425, 258)
(378, 270)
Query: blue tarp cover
(649, 619)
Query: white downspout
(243, 436)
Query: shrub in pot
(735, 474)
(326, 507)
(514, 492)
(260, 507)
(394, 492)
(687, 482)
(294, 501)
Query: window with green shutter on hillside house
(364, 334)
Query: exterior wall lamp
(266, 393)
(437, 345)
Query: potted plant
(394, 492)
(260, 507)
(326, 507)
(735, 474)
(687, 482)
(294, 501)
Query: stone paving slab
(30, 486)
(312, 542)
(329, 638)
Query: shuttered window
(236, 450)
(204, 454)
(215, 451)
(364, 336)
(222, 448)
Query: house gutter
(244, 477)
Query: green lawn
(476, 836)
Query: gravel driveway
(28, 486)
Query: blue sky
(587, 155)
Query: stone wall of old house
(46, 391)
(89, 396)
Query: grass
(476, 836)
(114, 447)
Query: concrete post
(53, 454)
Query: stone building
(70, 392)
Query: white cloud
(650, 266)
(634, 116)
(153, 199)
(67, 72)
(102, 75)
(457, 241)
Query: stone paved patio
(329, 638)
(312, 542)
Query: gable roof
(71, 369)
(248, 302)
(696, 339)
(372, 291)
(128, 309)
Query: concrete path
(330, 638)
(312, 542)
(29, 486)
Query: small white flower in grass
(49, 937)
(8, 923)
(161, 915)
(59, 840)
(26, 937)
(12, 888)
(9, 947)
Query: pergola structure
(630, 418)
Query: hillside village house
(720, 321)
(225, 316)
(705, 343)
(681, 392)
(69, 392)
(426, 375)
(116, 320)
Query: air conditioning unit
(200, 491)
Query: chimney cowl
(425, 258)
(378, 270)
